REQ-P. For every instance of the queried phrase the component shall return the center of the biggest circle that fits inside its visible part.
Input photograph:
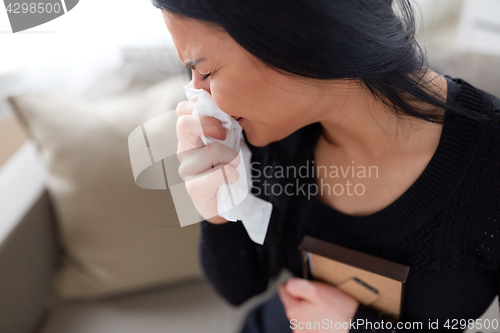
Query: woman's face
(272, 105)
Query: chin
(259, 142)
(263, 135)
(257, 139)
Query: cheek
(234, 98)
(223, 97)
(266, 108)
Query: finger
(185, 108)
(190, 128)
(198, 160)
(302, 289)
(204, 185)
(222, 154)
(289, 302)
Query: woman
(341, 83)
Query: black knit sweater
(446, 227)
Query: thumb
(301, 288)
(289, 302)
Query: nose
(198, 83)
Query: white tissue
(234, 201)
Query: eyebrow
(190, 64)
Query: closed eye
(205, 76)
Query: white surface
(21, 183)
(92, 27)
(435, 12)
(65, 55)
(479, 29)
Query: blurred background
(82, 248)
(65, 55)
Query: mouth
(238, 119)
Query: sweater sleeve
(231, 261)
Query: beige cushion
(117, 237)
(187, 307)
(184, 307)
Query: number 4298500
(471, 324)
(41, 7)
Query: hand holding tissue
(155, 166)
(234, 201)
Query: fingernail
(224, 133)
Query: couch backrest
(28, 259)
(28, 248)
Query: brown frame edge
(354, 258)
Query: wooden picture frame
(375, 282)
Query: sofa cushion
(116, 236)
(184, 307)
(190, 307)
(28, 258)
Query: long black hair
(372, 41)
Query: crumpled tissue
(235, 202)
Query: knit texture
(446, 227)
